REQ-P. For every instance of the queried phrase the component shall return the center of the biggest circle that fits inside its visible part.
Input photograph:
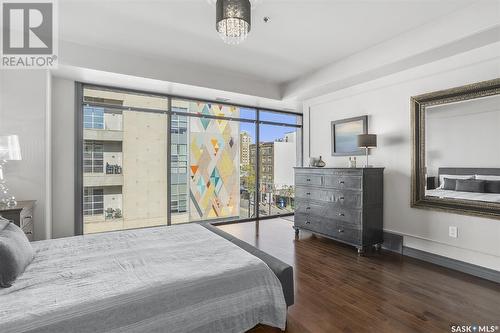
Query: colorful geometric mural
(214, 163)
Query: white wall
(63, 157)
(25, 111)
(386, 101)
(461, 135)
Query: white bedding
(440, 193)
(167, 279)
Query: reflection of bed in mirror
(488, 180)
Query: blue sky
(267, 132)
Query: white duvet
(487, 197)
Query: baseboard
(461, 266)
(393, 242)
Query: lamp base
(9, 202)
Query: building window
(93, 201)
(93, 117)
(93, 157)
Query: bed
(459, 195)
(184, 278)
(476, 173)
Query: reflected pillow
(16, 253)
(492, 186)
(442, 177)
(470, 185)
(449, 184)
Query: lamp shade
(367, 140)
(233, 20)
(9, 148)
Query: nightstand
(21, 215)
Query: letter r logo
(27, 28)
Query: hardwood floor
(337, 291)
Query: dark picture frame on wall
(345, 133)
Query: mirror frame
(418, 106)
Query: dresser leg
(296, 231)
(378, 247)
(361, 250)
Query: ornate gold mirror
(456, 150)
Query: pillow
(442, 177)
(470, 185)
(16, 253)
(492, 186)
(483, 177)
(449, 184)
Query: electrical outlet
(453, 232)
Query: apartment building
(124, 162)
(245, 140)
(276, 162)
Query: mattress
(167, 279)
(450, 194)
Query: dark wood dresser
(345, 204)
(22, 216)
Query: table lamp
(367, 141)
(9, 151)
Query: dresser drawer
(351, 218)
(313, 193)
(351, 236)
(347, 199)
(311, 207)
(28, 230)
(308, 179)
(26, 218)
(330, 210)
(315, 223)
(328, 227)
(343, 182)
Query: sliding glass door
(149, 160)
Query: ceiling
(301, 37)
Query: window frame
(180, 120)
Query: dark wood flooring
(337, 291)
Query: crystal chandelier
(233, 20)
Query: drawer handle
(307, 222)
(341, 214)
(308, 208)
(341, 230)
(308, 193)
(341, 199)
(308, 179)
(341, 182)
(29, 217)
(29, 233)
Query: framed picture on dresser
(345, 133)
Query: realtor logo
(28, 32)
